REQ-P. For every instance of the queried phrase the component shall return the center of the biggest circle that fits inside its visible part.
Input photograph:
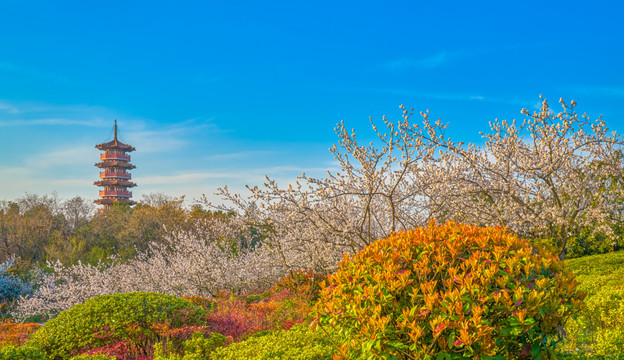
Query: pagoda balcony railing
(115, 174)
(111, 156)
(121, 193)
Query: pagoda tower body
(115, 177)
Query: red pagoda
(115, 178)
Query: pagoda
(115, 178)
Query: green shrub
(589, 242)
(11, 352)
(196, 348)
(298, 343)
(599, 328)
(142, 319)
(449, 291)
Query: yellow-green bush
(599, 328)
(11, 352)
(139, 319)
(446, 291)
(195, 348)
(298, 343)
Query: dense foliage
(599, 328)
(36, 228)
(12, 286)
(298, 343)
(198, 347)
(581, 343)
(16, 333)
(28, 352)
(449, 290)
(138, 320)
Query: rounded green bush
(298, 343)
(140, 318)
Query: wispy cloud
(67, 156)
(426, 63)
(148, 139)
(241, 155)
(444, 58)
(8, 108)
(447, 96)
(251, 176)
(139, 132)
(50, 121)
(37, 114)
(186, 178)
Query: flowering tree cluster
(552, 175)
(187, 265)
(378, 190)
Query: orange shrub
(16, 334)
(446, 291)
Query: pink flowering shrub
(121, 350)
(237, 318)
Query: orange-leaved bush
(449, 291)
(16, 334)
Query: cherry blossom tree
(552, 175)
(187, 265)
(378, 189)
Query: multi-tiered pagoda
(115, 178)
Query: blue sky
(215, 93)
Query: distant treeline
(38, 228)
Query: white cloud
(18, 114)
(241, 155)
(68, 156)
(247, 176)
(8, 108)
(51, 121)
(147, 139)
(449, 96)
(426, 63)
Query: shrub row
(440, 292)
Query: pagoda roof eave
(113, 182)
(110, 201)
(115, 144)
(107, 164)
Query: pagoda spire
(115, 177)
